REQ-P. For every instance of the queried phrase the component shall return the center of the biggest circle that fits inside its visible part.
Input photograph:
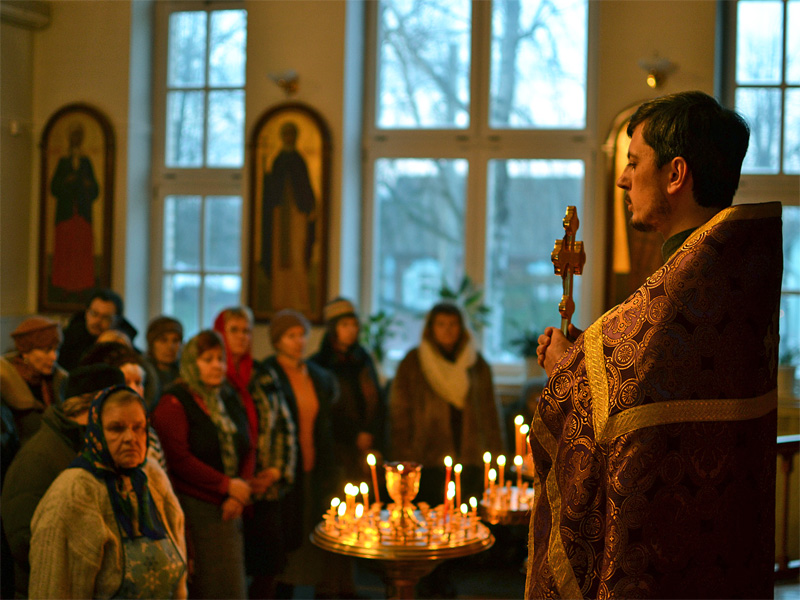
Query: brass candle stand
(407, 540)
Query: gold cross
(568, 259)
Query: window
(199, 158)
(478, 115)
(763, 81)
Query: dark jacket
(35, 467)
(323, 475)
(78, 340)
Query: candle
(359, 510)
(501, 463)
(364, 489)
(492, 479)
(457, 469)
(518, 421)
(518, 464)
(524, 433)
(371, 463)
(448, 463)
(451, 492)
(350, 492)
(487, 460)
(464, 516)
(341, 511)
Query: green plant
(375, 331)
(469, 298)
(526, 343)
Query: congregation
(193, 469)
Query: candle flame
(342, 509)
(492, 474)
(371, 459)
(501, 460)
(400, 468)
(518, 460)
(359, 510)
(473, 502)
(487, 457)
(519, 420)
(524, 430)
(448, 461)
(364, 488)
(463, 509)
(335, 502)
(458, 468)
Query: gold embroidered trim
(764, 210)
(684, 411)
(596, 372)
(566, 582)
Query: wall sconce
(288, 81)
(657, 70)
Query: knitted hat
(37, 332)
(92, 378)
(286, 319)
(338, 307)
(161, 325)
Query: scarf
(96, 459)
(240, 377)
(215, 407)
(449, 379)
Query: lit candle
(457, 470)
(464, 512)
(473, 503)
(364, 489)
(350, 492)
(518, 421)
(492, 479)
(371, 463)
(359, 510)
(525, 446)
(342, 510)
(518, 464)
(487, 460)
(448, 463)
(501, 463)
(451, 492)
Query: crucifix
(568, 259)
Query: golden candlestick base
(408, 541)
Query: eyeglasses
(100, 316)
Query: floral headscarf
(95, 457)
(226, 428)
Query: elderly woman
(30, 378)
(204, 432)
(442, 403)
(45, 456)
(273, 428)
(110, 524)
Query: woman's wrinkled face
(446, 331)
(167, 348)
(238, 336)
(125, 429)
(211, 365)
(346, 331)
(293, 343)
(42, 360)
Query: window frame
(478, 144)
(193, 181)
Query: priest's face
(645, 184)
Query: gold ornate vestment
(654, 439)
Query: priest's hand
(552, 346)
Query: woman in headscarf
(110, 524)
(359, 416)
(442, 403)
(30, 378)
(204, 432)
(273, 428)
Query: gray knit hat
(285, 319)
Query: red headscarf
(239, 377)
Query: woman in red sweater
(204, 433)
